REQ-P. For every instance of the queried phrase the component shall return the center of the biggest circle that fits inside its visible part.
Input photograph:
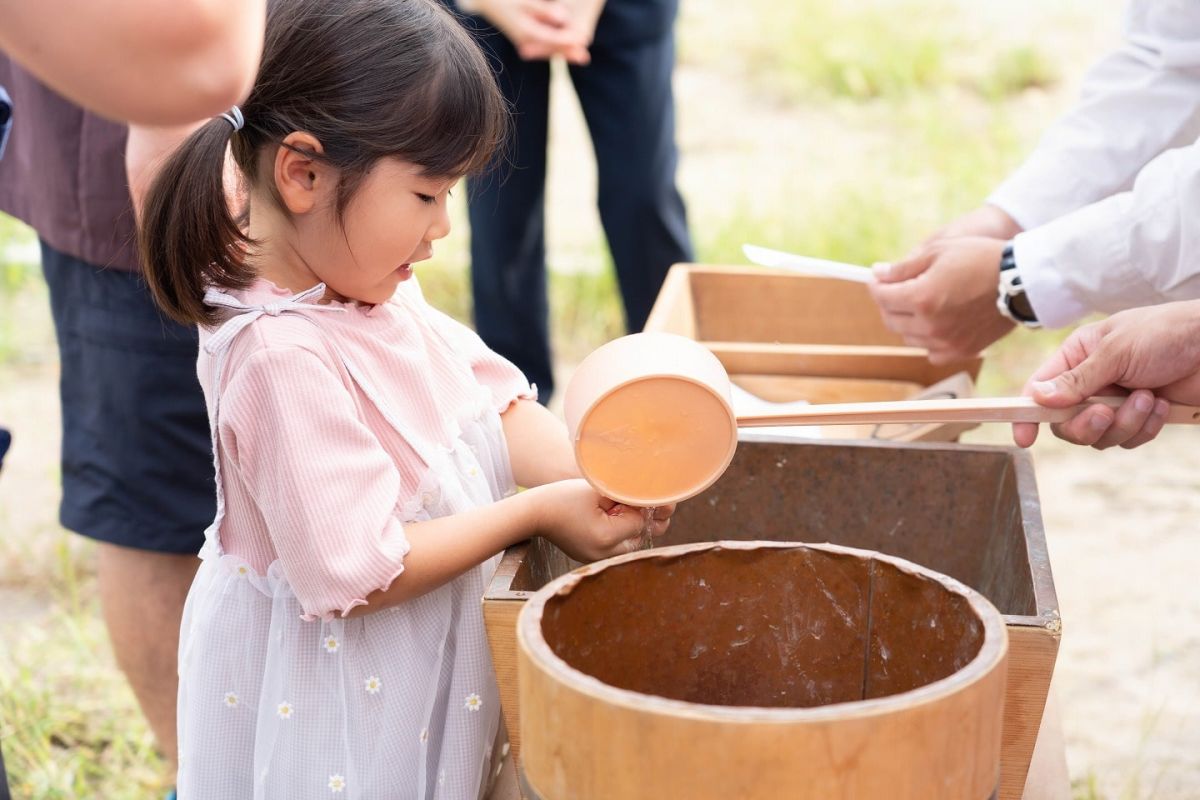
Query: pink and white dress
(335, 425)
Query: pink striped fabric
(313, 475)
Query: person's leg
(4, 793)
(136, 465)
(508, 251)
(630, 110)
(142, 595)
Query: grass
(21, 291)
(69, 724)
(869, 50)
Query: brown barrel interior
(770, 627)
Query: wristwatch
(1011, 300)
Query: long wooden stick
(971, 409)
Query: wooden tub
(967, 511)
(760, 670)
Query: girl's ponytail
(189, 239)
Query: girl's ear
(300, 178)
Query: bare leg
(142, 594)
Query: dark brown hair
(367, 78)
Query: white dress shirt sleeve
(1136, 248)
(1137, 102)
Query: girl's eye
(428, 199)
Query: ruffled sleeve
(493, 371)
(323, 483)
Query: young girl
(367, 447)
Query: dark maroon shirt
(63, 174)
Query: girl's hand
(587, 526)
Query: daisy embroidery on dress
(337, 784)
(373, 685)
(331, 644)
(474, 702)
(285, 710)
(243, 570)
(231, 700)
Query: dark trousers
(136, 451)
(627, 101)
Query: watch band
(1011, 300)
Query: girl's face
(390, 223)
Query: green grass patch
(68, 721)
(1015, 70)
(808, 50)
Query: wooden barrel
(760, 670)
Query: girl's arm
(570, 513)
(538, 445)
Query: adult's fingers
(1024, 433)
(539, 40)
(1069, 352)
(1074, 373)
(906, 268)
(1130, 419)
(1153, 426)
(902, 299)
(908, 325)
(542, 51)
(1087, 427)
(941, 353)
(554, 14)
(577, 55)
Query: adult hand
(538, 29)
(987, 220)
(1152, 353)
(943, 297)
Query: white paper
(806, 265)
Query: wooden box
(783, 336)
(967, 511)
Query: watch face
(1021, 307)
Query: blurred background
(845, 130)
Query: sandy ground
(1124, 547)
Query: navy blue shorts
(136, 455)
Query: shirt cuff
(1076, 265)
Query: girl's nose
(440, 228)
